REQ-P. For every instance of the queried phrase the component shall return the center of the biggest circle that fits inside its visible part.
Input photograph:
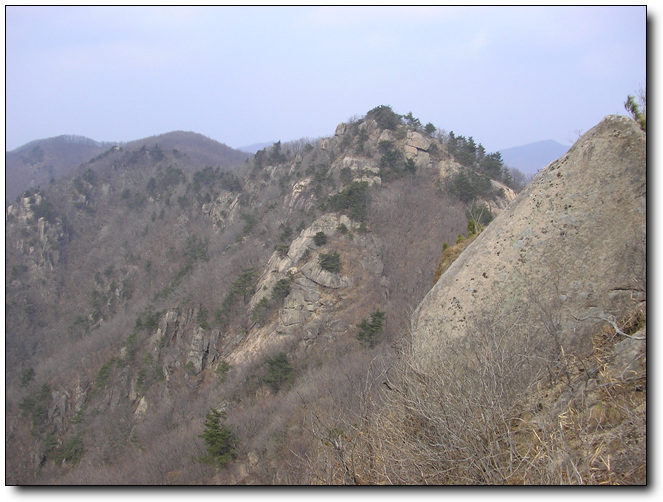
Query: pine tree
(279, 372)
(369, 330)
(219, 438)
(638, 111)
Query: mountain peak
(532, 157)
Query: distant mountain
(38, 162)
(534, 156)
(200, 150)
(255, 147)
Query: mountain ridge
(152, 298)
(40, 161)
(532, 157)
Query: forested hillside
(172, 318)
(41, 162)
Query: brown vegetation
(118, 351)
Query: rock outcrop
(568, 252)
(40, 233)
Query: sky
(507, 76)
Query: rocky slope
(572, 245)
(146, 288)
(528, 355)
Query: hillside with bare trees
(180, 313)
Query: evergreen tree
(412, 121)
(370, 330)
(492, 165)
(331, 262)
(219, 438)
(638, 111)
(384, 116)
(320, 239)
(275, 155)
(279, 371)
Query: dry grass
(450, 254)
(490, 417)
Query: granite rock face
(569, 251)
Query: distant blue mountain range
(255, 147)
(535, 156)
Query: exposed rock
(324, 278)
(417, 140)
(499, 204)
(300, 198)
(341, 129)
(223, 210)
(81, 391)
(386, 136)
(357, 164)
(416, 147)
(571, 246)
(58, 409)
(278, 265)
(141, 410)
(202, 351)
(630, 357)
(40, 238)
(179, 332)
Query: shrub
(320, 239)
(195, 249)
(27, 376)
(282, 249)
(352, 201)
(346, 176)
(104, 374)
(148, 320)
(222, 370)
(36, 406)
(331, 262)
(384, 116)
(250, 222)
(261, 311)
(392, 161)
(481, 214)
(471, 227)
(286, 232)
(201, 318)
(72, 451)
(44, 210)
(450, 253)
(280, 290)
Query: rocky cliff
(571, 247)
(528, 356)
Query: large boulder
(568, 252)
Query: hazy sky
(507, 76)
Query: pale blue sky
(507, 76)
